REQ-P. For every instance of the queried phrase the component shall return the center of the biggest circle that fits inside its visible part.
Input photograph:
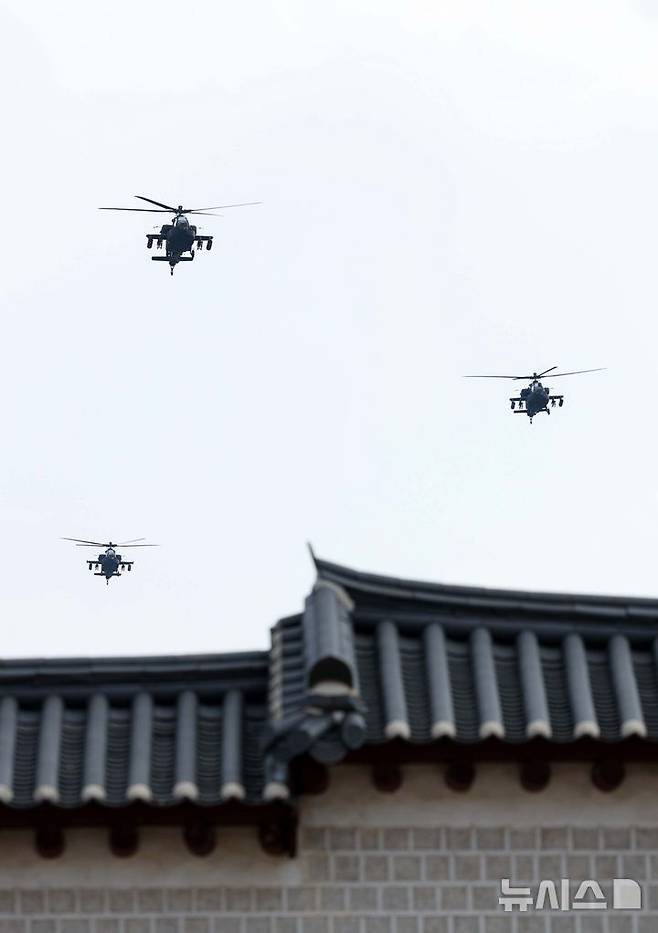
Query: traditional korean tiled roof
(423, 662)
(374, 668)
(117, 731)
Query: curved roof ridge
(358, 581)
(131, 664)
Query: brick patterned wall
(421, 861)
(369, 880)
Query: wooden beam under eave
(200, 836)
(535, 775)
(387, 778)
(49, 840)
(608, 774)
(460, 775)
(276, 822)
(279, 837)
(124, 839)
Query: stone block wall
(423, 860)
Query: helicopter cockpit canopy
(182, 221)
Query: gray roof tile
(370, 660)
(117, 730)
(463, 663)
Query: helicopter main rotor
(536, 376)
(180, 210)
(82, 542)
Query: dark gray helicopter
(180, 236)
(110, 563)
(537, 397)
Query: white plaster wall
(496, 798)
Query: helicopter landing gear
(171, 270)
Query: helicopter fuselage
(179, 237)
(108, 564)
(535, 398)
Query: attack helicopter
(179, 236)
(109, 564)
(536, 398)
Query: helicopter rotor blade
(165, 209)
(138, 545)
(533, 376)
(219, 207)
(203, 214)
(157, 203)
(141, 210)
(82, 542)
(577, 372)
(108, 544)
(130, 541)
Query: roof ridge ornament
(328, 638)
(326, 728)
(312, 554)
(340, 591)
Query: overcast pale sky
(448, 187)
